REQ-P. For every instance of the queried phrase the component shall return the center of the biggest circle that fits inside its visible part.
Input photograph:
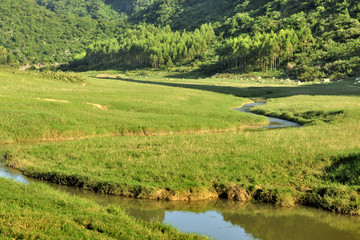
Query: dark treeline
(309, 39)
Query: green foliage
(96, 9)
(264, 50)
(327, 34)
(150, 46)
(319, 38)
(33, 34)
(63, 76)
(4, 57)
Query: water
(224, 219)
(210, 223)
(12, 174)
(273, 122)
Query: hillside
(33, 34)
(308, 40)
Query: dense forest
(309, 39)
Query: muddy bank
(339, 200)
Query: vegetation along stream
(273, 122)
(224, 219)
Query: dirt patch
(170, 195)
(233, 192)
(52, 100)
(99, 106)
(112, 76)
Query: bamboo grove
(265, 50)
(150, 46)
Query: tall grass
(36, 211)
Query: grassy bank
(37, 211)
(316, 165)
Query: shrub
(64, 76)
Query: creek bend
(226, 219)
(273, 122)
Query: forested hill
(33, 34)
(310, 39)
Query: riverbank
(316, 165)
(285, 167)
(36, 211)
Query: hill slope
(31, 33)
(308, 39)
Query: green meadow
(158, 135)
(36, 211)
(38, 108)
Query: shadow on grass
(258, 92)
(345, 170)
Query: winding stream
(224, 219)
(273, 122)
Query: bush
(63, 76)
(311, 74)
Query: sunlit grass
(36, 211)
(282, 166)
(34, 108)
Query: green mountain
(33, 34)
(309, 39)
(96, 9)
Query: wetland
(188, 146)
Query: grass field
(161, 136)
(36, 211)
(34, 108)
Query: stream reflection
(223, 219)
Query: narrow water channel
(224, 219)
(273, 122)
